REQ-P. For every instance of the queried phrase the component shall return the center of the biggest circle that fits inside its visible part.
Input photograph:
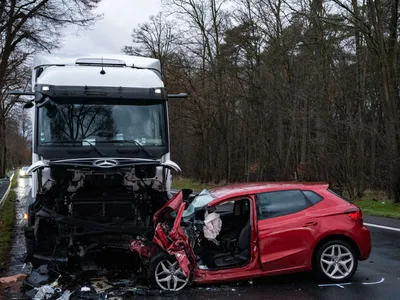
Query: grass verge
(188, 183)
(7, 219)
(380, 208)
(14, 181)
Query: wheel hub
(337, 262)
(169, 276)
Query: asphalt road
(376, 278)
(3, 187)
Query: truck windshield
(102, 123)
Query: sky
(113, 32)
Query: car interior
(233, 248)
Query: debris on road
(65, 296)
(44, 283)
(44, 292)
(12, 279)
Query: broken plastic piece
(42, 270)
(85, 289)
(37, 280)
(65, 296)
(36, 166)
(172, 165)
(43, 292)
(27, 268)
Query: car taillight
(355, 214)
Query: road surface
(376, 278)
(3, 187)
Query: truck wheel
(335, 261)
(166, 274)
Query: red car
(256, 230)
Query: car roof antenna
(102, 72)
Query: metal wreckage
(84, 227)
(101, 173)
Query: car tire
(335, 261)
(165, 273)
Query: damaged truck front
(101, 162)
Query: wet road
(18, 247)
(3, 187)
(376, 278)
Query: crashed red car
(245, 231)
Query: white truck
(101, 154)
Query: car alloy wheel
(337, 261)
(169, 276)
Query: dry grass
(188, 183)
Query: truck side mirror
(175, 96)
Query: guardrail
(7, 191)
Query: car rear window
(313, 197)
(281, 203)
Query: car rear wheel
(166, 274)
(335, 261)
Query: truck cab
(101, 154)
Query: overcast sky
(113, 32)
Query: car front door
(285, 233)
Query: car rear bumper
(364, 243)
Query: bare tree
(283, 90)
(25, 28)
(157, 38)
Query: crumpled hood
(175, 242)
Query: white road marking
(341, 285)
(377, 282)
(382, 227)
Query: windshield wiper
(95, 148)
(133, 142)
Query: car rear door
(285, 232)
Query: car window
(280, 203)
(313, 197)
(225, 207)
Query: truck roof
(71, 59)
(90, 76)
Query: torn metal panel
(173, 204)
(142, 248)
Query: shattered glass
(199, 201)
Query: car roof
(25, 167)
(241, 189)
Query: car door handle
(309, 224)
